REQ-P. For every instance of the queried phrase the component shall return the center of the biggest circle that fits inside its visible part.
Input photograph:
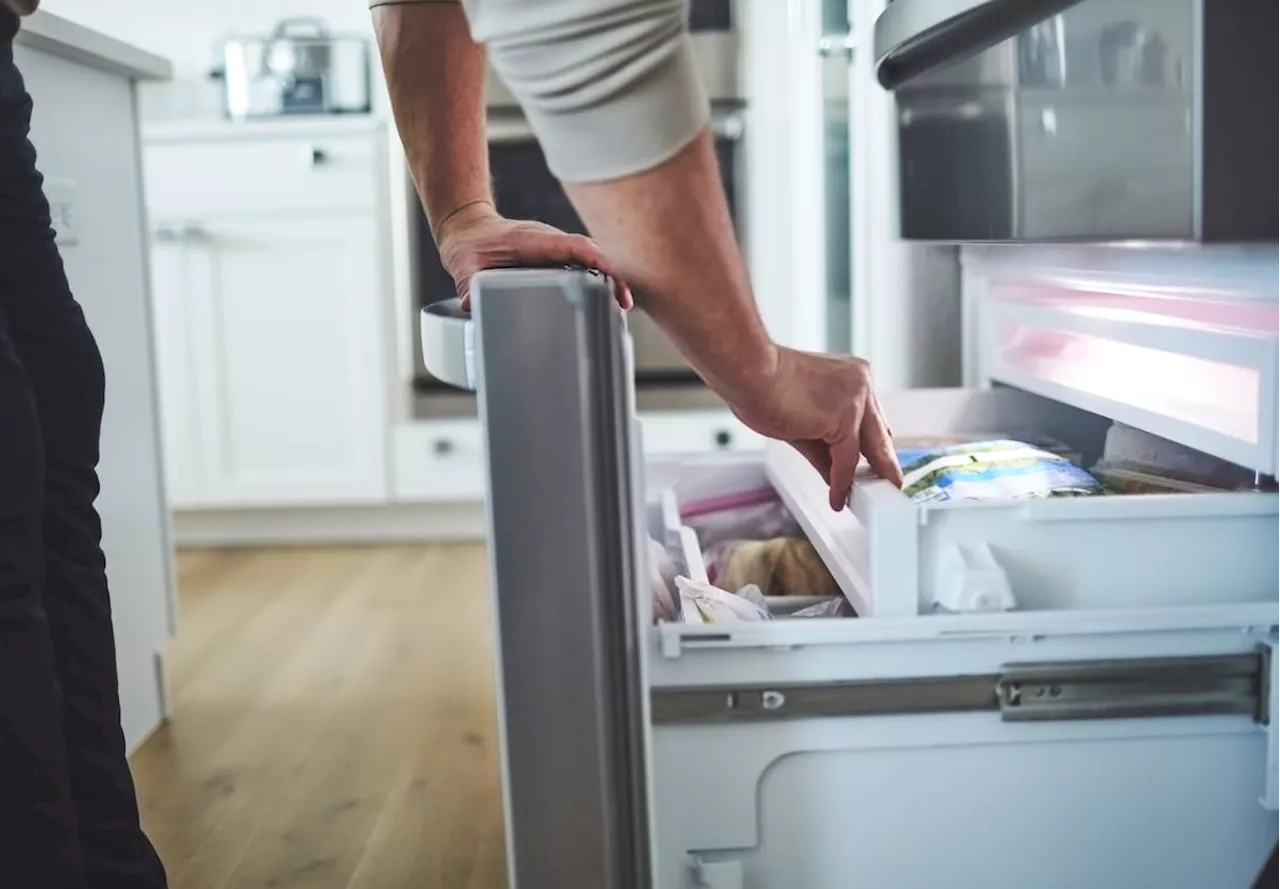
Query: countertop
(220, 129)
(52, 34)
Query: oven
(524, 188)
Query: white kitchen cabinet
(171, 319)
(270, 362)
(270, 279)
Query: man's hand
(477, 238)
(824, 406)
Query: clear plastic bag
(704, 603)
(836, 606)
(750, 515)
(662, 583)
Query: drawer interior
(891, 557)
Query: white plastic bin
(892, 556)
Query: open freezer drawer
(1126, 745)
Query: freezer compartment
(1181, 343)
(893, 557)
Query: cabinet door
(289, 360)
(171, 291)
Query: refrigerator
(1035, 694)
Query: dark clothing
(68, 811)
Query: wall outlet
(61, 194)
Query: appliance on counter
(524, 188)
(300, 68)
(1033, 120)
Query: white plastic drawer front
(1192, 361)
(909, 799)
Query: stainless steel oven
(524, 188)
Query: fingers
(539, 247)
(877, 444)
(463, 287)
(622, 294)
(846, 453)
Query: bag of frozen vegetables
(990, 470)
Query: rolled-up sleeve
(610, 87)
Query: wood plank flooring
(333, 724)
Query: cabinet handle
(195, 234)
(723, 439)
(318, 157)
(442, 447)
(841, 45)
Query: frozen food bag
(745, 515)
(662, 583)
(836, 606)
(991, 470)
(712, 605)
(782, 566)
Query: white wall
(186, 32)
(83, 124)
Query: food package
(991, 470)
(1125, 479)
(781, 566)
(749, 515)
(916, 445)
(662, 583)
(1137, 462)
(836, 606)
(711, 605)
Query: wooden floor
(333, 724)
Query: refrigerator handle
(448, 343)
(916, 36)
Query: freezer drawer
(1075, 743)
(1082, 744)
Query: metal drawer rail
(1065, 690)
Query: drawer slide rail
(1040, 692)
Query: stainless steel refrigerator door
(552, 367)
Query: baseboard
(400, 523)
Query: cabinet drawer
(439, 461)
(241, 176)
(696, 432)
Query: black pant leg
(39, 843)
(64, 367)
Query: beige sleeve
(610, 87)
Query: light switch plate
(61, 194)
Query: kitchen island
(85, 130)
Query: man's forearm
(435, 76)
(669, 232)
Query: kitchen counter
(55, 36)
(300, 126)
